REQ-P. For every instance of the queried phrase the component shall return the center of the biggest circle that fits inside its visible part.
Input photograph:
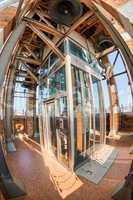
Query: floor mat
(100, 162)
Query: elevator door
(82, 113)
(51, 129)
(88, 114)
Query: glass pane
(106, 96)
(51, 127)
(52, 84)
(96, 102)
(53, 59)
(124, 93)
(106, 103)
(86, 56)
(62, 130)
(78, 115)
(82, 109)
(112, 56)
(115, 59)
(19, 110)
(119, 65)
(60, 80)
(57, 82)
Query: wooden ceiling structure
(41, 31)
(38, 31)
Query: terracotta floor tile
(45, 179)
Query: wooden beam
(79, 21)
(40, 14)
(105, 52)
(31, 52)
(47, 41)
(30, 44)
(31, 73)
(28, 60)
(43, 27)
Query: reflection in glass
(84, 55)
(106, 103)
(51, 127)
(63, 136)
(96, 102)
(124, 93)
(82, 106)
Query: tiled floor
(44, 179)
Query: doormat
(100, 161)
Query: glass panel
(106, 103)
(111, 56)
(19, 110)
(82, 109)
(84, 55)
(56, 82)
(51, 127)
(96, 106)
(124, 93)
(115, 59)
(119, 65)
(53, 59)
(62, 47)
(62, 130)
(78, 115)
(87, 108)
